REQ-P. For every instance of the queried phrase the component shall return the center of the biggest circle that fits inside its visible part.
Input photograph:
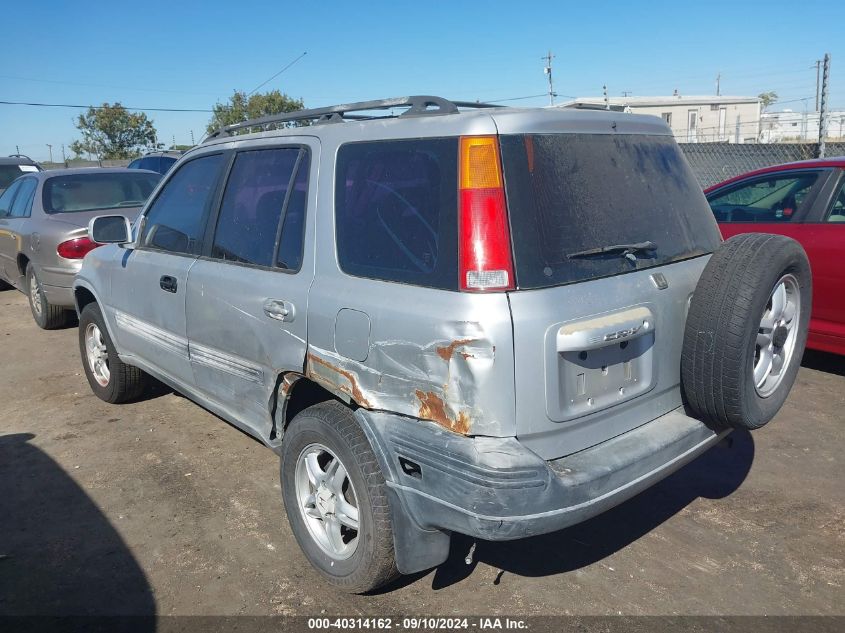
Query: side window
(292, 238)
(252, 206)
(396, 211)
(837, 211)
(22, 206)
(776, 198)
(176, 220)
(8, 198)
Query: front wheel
(336, 499)
(110, 378)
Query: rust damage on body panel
(447, 351)
(433, 408)
(438, 381)
(351, 389)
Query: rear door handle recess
(168, 283)
(279, 310)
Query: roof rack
(418, 105)
(21, 156)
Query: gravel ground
(160, 507)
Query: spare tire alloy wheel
(777, 336)
(746, 330)
(327, 501)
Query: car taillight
(484, 235)
(76, 248)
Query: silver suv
(445, 317)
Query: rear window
(396, 211)
(569, 193)
(91, 191)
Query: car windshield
(92, 191)
(584, 206)
(8, 173)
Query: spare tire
(746, 330)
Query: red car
(805, 201)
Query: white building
(788, 125)
(704, 119)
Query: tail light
(484, 236)
(76, 248)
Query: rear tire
(46, 315)
(746, 330)
(110, 378)
(322, 440)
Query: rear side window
(256, 192)
(775, 198)
(570, 193)
(22, 206)
(396, 211)
(8, 198)
(176, 219)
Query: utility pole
(718, 85)
(50, 147)
(192, 138)
(823, 104)
(64, 157)
(818, 66)
(547, 69)
(626, 93)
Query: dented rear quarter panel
(436, 355)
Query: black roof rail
(418, 105)
(21, 156)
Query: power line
(277, 74)
(85, 107)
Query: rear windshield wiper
(626, 250)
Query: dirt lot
(160, 507)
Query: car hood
(82, 218)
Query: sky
(189, 55)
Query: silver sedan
(43, 230)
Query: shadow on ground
(823, 361)
(714, 475)
(59, 555)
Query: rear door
(248, 294)
(8, 239)
(14, 226)
(824, 239)
(598, 335)
(148, 288)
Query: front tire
(46, 315)
(110, 378)
(336, 499)
(746, 330)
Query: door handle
(279, 310)
(168, 283)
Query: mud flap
(415, 549)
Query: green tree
(242, 107)
(111, 131)
(767, 99)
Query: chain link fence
(714, 162)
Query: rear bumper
(496, 489)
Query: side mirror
(110, 229)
